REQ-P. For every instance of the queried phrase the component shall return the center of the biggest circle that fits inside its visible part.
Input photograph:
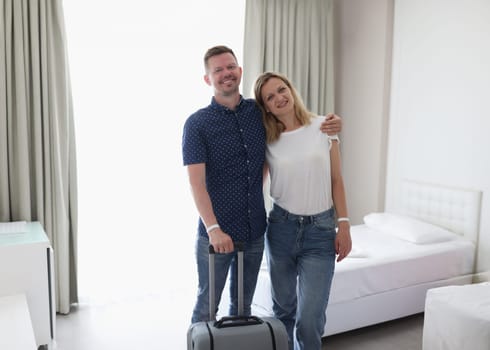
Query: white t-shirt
(299, 165)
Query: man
(223, 147)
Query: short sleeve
(193, 143)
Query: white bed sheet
(383, 263)
(457, 317)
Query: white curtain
(37, 144)
(294, 37)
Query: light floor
(154, 322)
(402, 334)
(151, 322)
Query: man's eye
(217, 70)
(233, 67)
(282, 89)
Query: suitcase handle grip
(238, 246)
(237, 321)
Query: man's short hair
(214, 51)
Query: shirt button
(245, 146)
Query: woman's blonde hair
(273, 126)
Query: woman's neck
(290, 122)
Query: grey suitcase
(235, 332)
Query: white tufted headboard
(456, 209)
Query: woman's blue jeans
(252, 258)
(301, 257)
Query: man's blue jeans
(252, 258)
(301, 258)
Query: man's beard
(230, 92)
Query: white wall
(440, 100)
(362, 67)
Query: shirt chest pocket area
(226, 145)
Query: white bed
(387, 277)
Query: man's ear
(206, 79)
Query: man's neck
(230, 101)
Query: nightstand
(26, 267)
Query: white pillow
(408, 228)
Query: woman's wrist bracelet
(211, 228)
(343, 219)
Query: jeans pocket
(326, 223)
(276, 217)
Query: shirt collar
(216, 105)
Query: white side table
(26, 267)
(457, 317)
(16, 331)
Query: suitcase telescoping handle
(239, 246)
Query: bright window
(137, 74)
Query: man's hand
(221, 242)
(332, 124)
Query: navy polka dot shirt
(232, 145)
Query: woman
(309, 202)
